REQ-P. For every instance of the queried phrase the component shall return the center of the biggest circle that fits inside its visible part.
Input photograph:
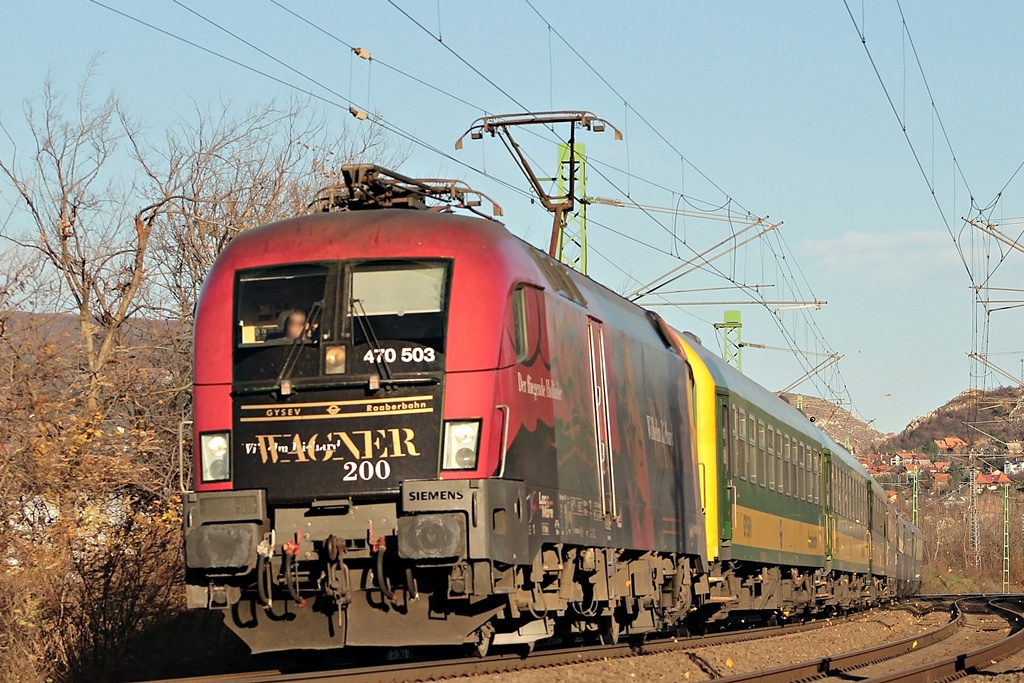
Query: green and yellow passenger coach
(792, 519)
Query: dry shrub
(83, 592)
(103, 256)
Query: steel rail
(396, 672)
(836, 664)
(974, 660)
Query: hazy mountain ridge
(997, 417)
(999, 413)
(839, 423)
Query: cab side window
(520, 324)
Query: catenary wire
(378, 120)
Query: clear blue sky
(776, 103)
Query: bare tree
(238, 173)
(104, 256)
(86, 229)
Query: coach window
(842, 494)
(771, 458)
(837, 492)
(803, 472)
(784, 480)
(794, 485)
(855, 497)
(840, 500)
(752, 448)
(810, 476)
(819, 495)
(741, 452)
(762, 461)
(778, 464)
(794, 469)
(846, 495)
(815, 480)
(849, 496)
(801, 485)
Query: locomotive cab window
(281, 316)
(397, 302)
(280, 305)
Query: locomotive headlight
(215, 456)
(334, 360)
(461, 444)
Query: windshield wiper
(284, 380)
(379, 361)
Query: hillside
(999, 412)
(839, 423)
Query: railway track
(395, 672)
(971, 641)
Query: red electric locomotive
(413, 428)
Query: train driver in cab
(294, 326)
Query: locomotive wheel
(485, 636)
(609, 630)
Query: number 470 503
(408, 355)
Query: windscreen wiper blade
(379, 361)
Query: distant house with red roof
(992, 481)
(951, 444)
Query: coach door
(726, 491)
(602, 421)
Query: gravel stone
(705, 663)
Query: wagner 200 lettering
(416, 354)
(359, 444)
